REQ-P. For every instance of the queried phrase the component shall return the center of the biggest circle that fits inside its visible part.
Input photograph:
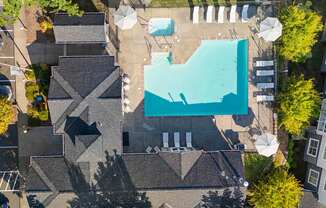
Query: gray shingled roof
(85, 105)
(40, 141)
(89, 28)
(184, 170)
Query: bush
(290, 160)
(300, 29)
(279, 189)
(30, 75)
(45, 25)
(32, 90)
(298, 104)
(255, 166)
(6, 114)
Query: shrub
(298, 104)
(255, 166)
(6, 114)
(300, 29)
(45, 25)
(32, 90)
(278, 190)
(30, 75)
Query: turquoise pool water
(214, 81)
(161, 26)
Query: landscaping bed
(37, 88)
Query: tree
(6, 114)
(298, 102)
(10, 13)
(228, 198)
(53, 6)
(300, 29)
(278, 190)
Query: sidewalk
(22, 60)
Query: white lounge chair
(265, 72)
(264, 98)
(233, 13)
(210, 14)
(165, 137)
(269, 85)
(177, 139)
(195, 15)
(264, 63)
(188, 139)
(244, 15)
(220, 18)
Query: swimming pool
(161, 26)
(214, 81)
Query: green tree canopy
(10, 13)
(300, 29)
(11, 8)
(299, 102)
(6, 114)
(278, 190)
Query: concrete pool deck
(214, 132)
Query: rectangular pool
(213, 81)
(161, 26)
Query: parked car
(5, 90)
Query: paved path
(22, 59)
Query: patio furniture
(265, 72)
(188, 140)
(157, 149)
(264, 63)
(270, 29)
(195, 15)
(176, 137)
(165, 137)
(126, 101)
(149, 149)
(265, 98)
(268, 85)
(244, 15)
(125, 17)
(220, 18)
(126, 80)
(126, 87)
(210, 14)
(266, 144)
(233, 13)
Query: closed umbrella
(125, 17)
(266, 144)
(270, 29)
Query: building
(85, 108)
(91, 28)
(315, 156)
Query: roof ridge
(43, 176)
(47, 201)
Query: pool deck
(209, 132)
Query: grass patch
(256, 166)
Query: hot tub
(161, 26)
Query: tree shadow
(112, 188)
(33, 202)
(3, 200)
(244, 120)
(227, 199)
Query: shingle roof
(184, 170)
(40, 141)
(89, 28)
(86, 116)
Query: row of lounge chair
(210, 14)
(263, 72)
(176, 138)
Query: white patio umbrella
(125, 17)
(266, 144)
(270, 29)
